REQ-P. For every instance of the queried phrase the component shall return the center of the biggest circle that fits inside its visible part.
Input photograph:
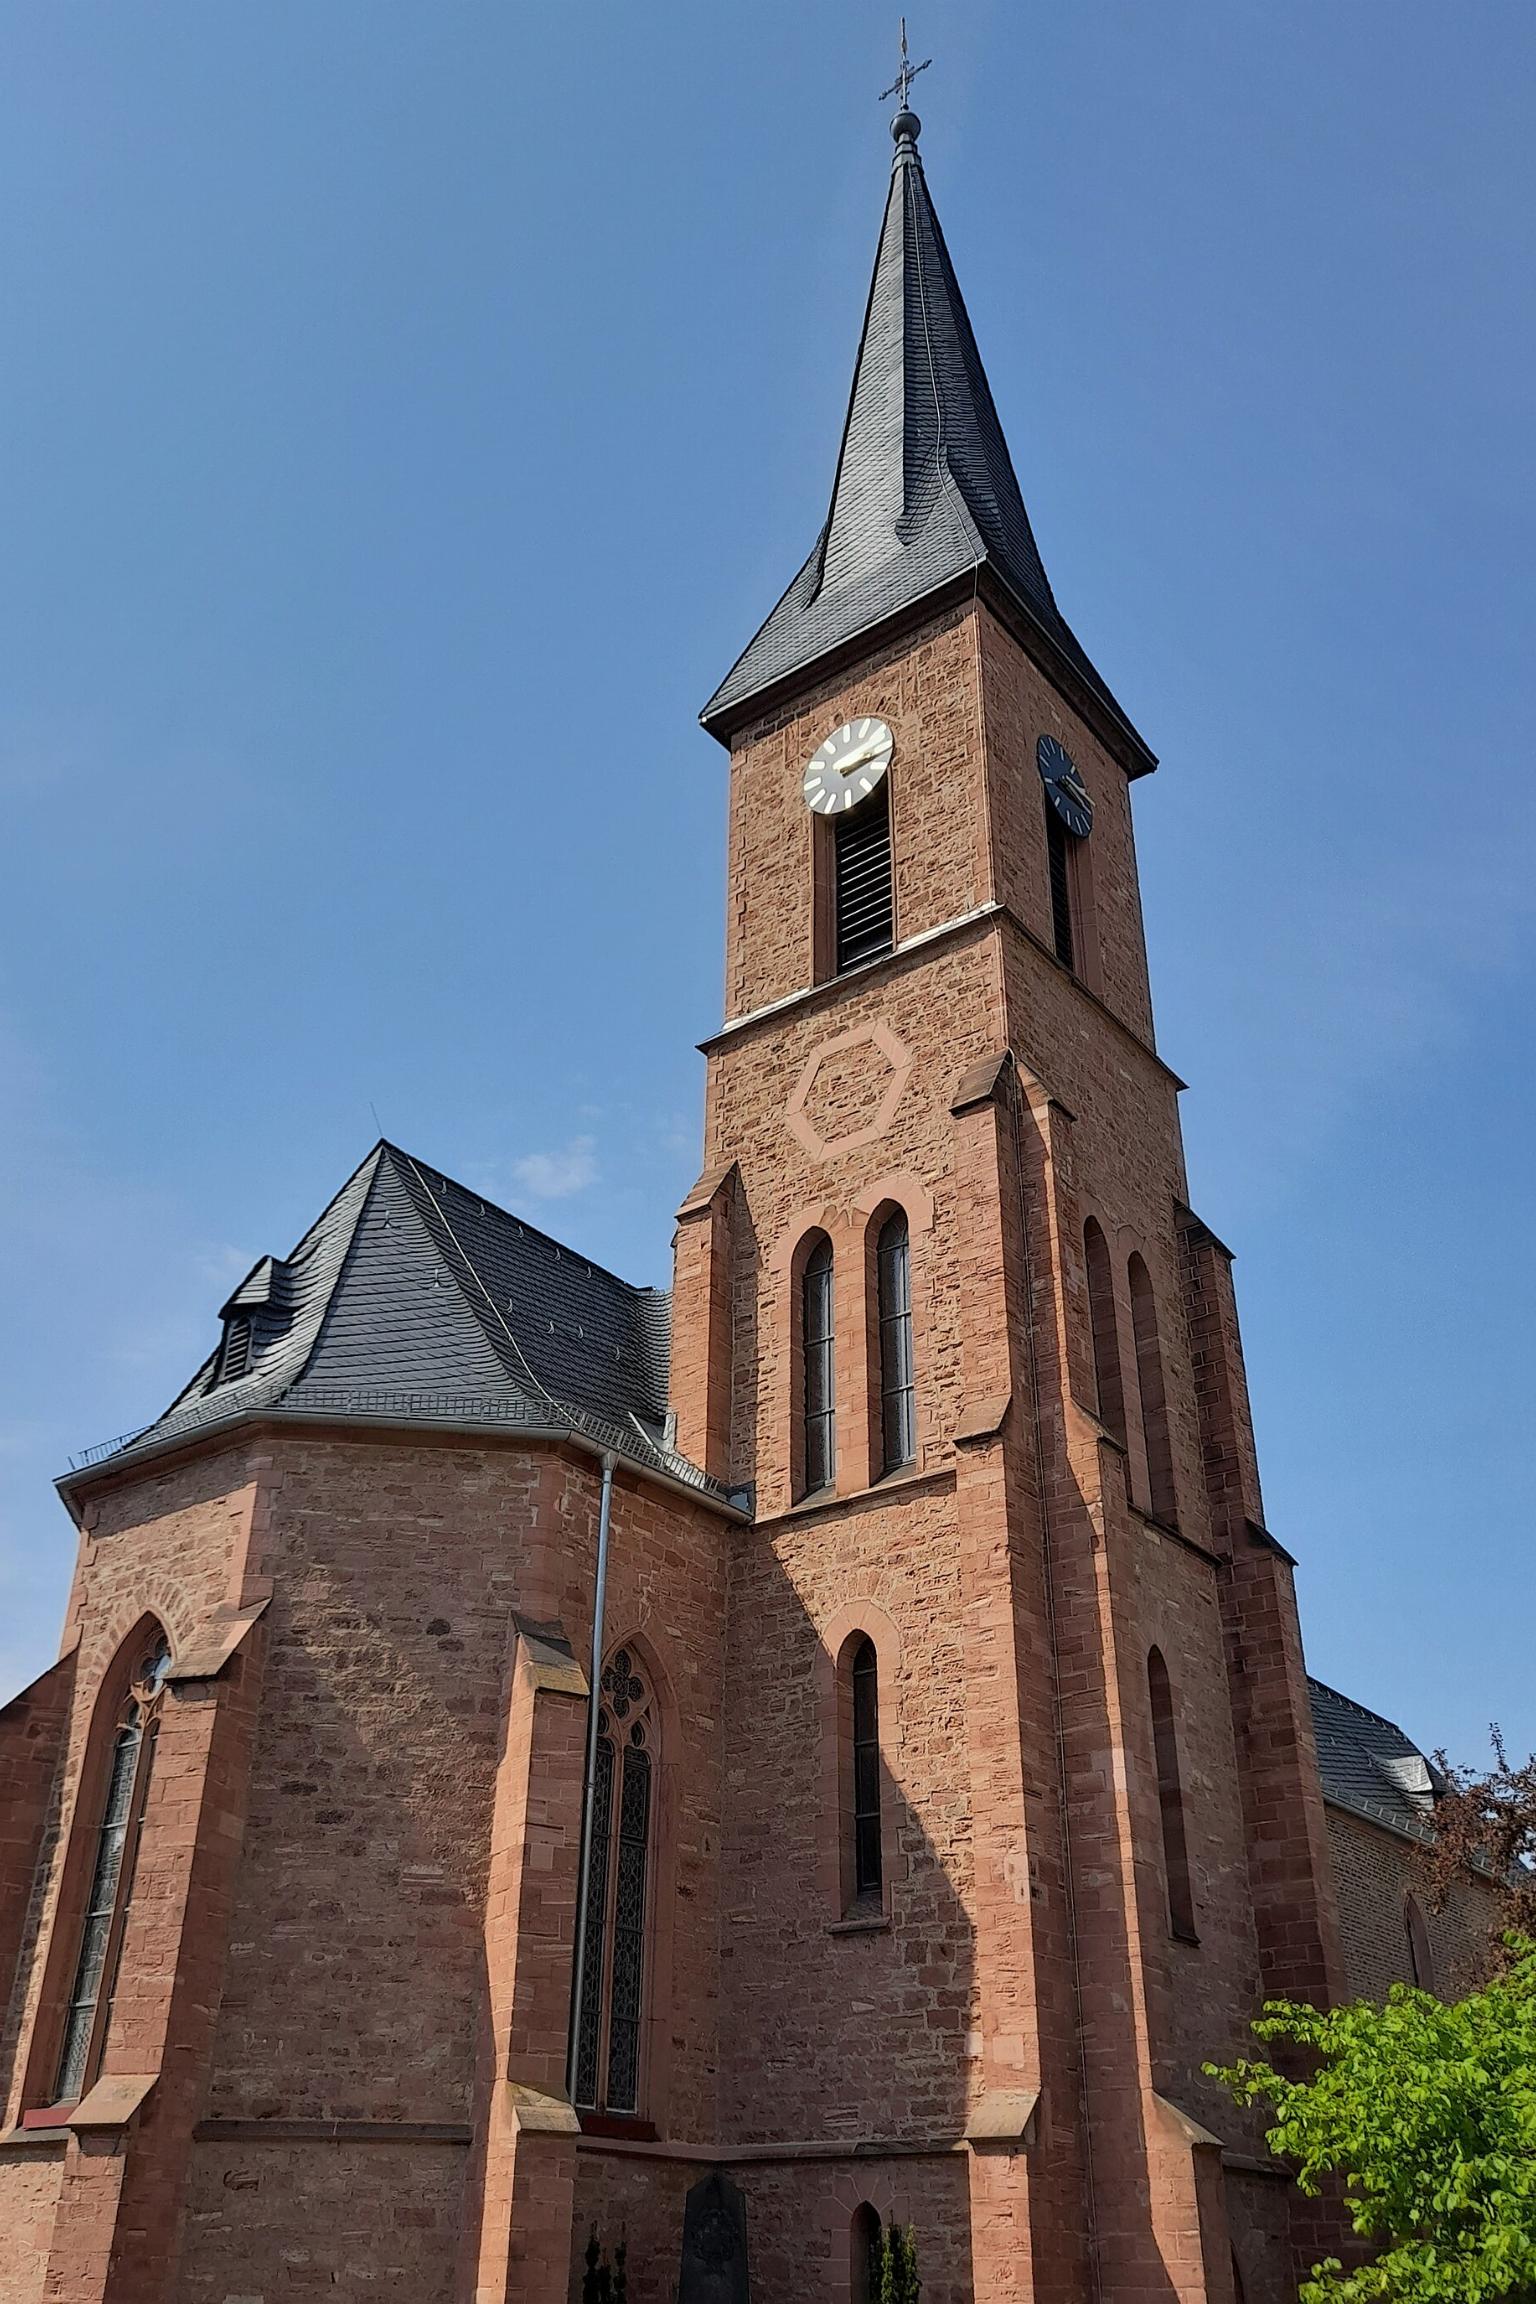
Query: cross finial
(901, 86)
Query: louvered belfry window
(861, 863)
(818, 1380)
(112, 1870)
(610, 2026)
(1058, 849)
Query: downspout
(588, 1819)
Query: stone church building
(521, 1742)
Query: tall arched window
(1059, 845)
(864, 2254)
(864, 1870)
(113, 1864)
(1154, 1399)
(898, 1393)
(818, 1395)
(1170, 1800)
(608, 2038)
(1106, 1335)
(1421, 1958)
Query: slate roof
(925, 490)
(414, 1299)
(1369, 1765)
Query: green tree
(896, 2266)
(1427, 2110)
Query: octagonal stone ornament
(848, 1090)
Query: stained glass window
(112, 1870)
(610, 2030)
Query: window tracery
(610, 2022)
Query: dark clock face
(1065, 789)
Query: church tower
(1022, 1815)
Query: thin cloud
(559, 1174)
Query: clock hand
(856, 759)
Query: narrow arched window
(898, 1393)
(1154, 1398)
(864, 911)
(1421, 1958)
(1108, 1383)
(609, 2035)
(818, 1394)
(864, 1688)
(114, 1862)
(864, 2254)
(1170, 1800)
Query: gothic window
(114, 1860)
(819, 1400)
(866, 1869)
(1421, 1960)
(1170, 1800)
(1108, 1384)
(864, 2254)
(1154, 1400)
(1059, 844)
(608, 2038)
(864, 919)
(898, 1396)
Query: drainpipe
(588, 1820)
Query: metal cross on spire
(901, 86)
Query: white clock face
(846, 769)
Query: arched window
(608, 2039)
(898, 1394)
(864, 2255)
(865, 1870)
(1421, 1958)
(1170, 1800)
(114, 1862)
(863, 910)
(1106, 1335)
(819, 1398)
(1154, 1399)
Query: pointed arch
(1170, 1801)
(1109, 1385)
(864, 2253)
(1161, 1494)
(1421, 1956)
(106, 1836)
(618, 1921)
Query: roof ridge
(1364, 1710)
(425, 1168)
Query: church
(530, 1754)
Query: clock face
(1064, 787)
(846, 769)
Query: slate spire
(925, 494)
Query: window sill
(1184, 1936)
(618, 2124)
(841, 1499)
(860, 1924)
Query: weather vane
(902, 84)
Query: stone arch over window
(813, 1277)
(618, 1921)
(1161, 1494)
(858, 2197)
(103, 1860)
(1109, 1384)
(1170, 1801)
(893, 1363)
(1421, 1957)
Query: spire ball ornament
(906, 127)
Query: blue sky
(409, 414)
